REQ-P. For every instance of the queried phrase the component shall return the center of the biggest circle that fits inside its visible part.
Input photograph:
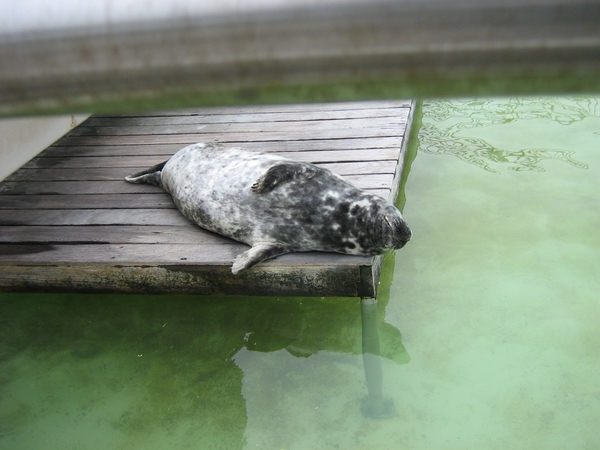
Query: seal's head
(372, 226)
(395, 233)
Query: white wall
(22, 16)
(23, 138)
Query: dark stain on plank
(25, 249)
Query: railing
(341, 50)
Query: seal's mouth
(399, 244)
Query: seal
(275, 204)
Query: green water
(489, 321)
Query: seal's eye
(388, 222)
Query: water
(489, 321)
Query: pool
(488, 320)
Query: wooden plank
(400, 169)
(63, 149)
(153, 254)
(369, 168)
(313, 126)
(93, 174)
(91, 217)
(81, 187)
(192, 138)
(310, 278)
(119, 173)
(265, 109)
(109, 234)
(314, 157)
(378, 181)
(208, 117)
(87, 201)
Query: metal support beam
(336, 50)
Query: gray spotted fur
(274, 204)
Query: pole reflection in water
(375, 405)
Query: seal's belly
(213, 189)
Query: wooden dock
(70, 223)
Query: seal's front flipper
(258, 253)
(148, 176)
(281, 174)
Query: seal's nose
(404, 234)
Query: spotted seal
(274, 204)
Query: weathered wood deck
(70, 223)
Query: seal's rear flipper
(258, 253)
(148, 176)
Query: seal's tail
(148, 176)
